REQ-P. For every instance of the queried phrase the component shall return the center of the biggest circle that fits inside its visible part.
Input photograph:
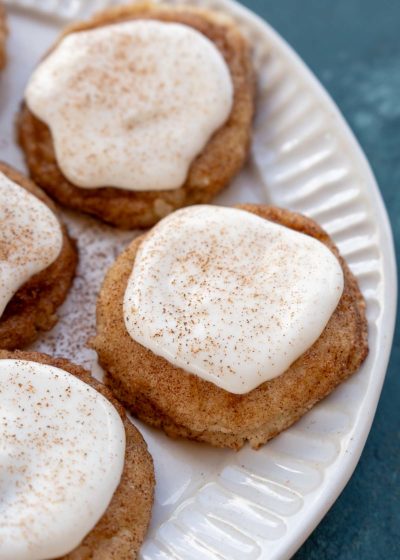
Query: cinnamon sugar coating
(119, 533)
(32, 309)
(221, 159)
(184, 405)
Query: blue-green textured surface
(353, 47)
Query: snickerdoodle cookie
(226, 325)
(79, 478)
(37, 260)
(139, 111)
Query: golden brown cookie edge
(195, 413)
(31, 310)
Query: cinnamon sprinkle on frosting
(229, 296)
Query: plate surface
(218, 504)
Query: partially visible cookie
(32, 309)
(185, 405)
(219, 161)
(3, 36)
(120, 532)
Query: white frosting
(229, 296)
(30, 238)
(62, 451)
(131, 105)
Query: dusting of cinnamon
(30, 237)
(229, 296)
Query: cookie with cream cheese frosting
(37, 251)
(160, 168)
(149, 375)
(120, 531)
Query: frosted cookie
(77, 479)
(37, 260)
(3, 37)
(226, 325)
(140, 111)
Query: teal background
(353, 47)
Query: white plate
(213, 503)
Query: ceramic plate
(212, 503)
